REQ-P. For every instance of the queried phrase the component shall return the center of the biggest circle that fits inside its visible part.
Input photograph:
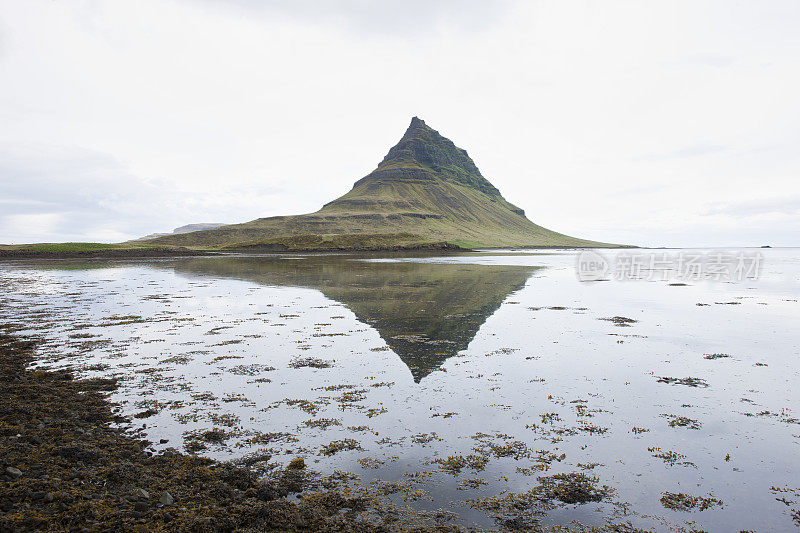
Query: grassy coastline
(307, 243)
(66, 250)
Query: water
(387, 367)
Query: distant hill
(425, 191)
(188, 228)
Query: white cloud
(773, 207)
(32, 224)
(130, 117)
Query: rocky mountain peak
(423, 149)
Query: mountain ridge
(188, 228)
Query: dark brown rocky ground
(64, 467)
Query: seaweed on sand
(455, 463)
(791, 498)
(682, 421)
(621, 321)
(689, 382)
(686, 502)
(575, 487)
(64, 467)
(310, 362)
(518, 511)
(337, 446)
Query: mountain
(425, 312)
(188, 228)
(425, 192)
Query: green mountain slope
(426, 190)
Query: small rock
(163, 441)
(166, 499)
(141, 507)
(14, 472)
(140, 494)
(49, 497)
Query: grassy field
(91, 250)
(73, 247)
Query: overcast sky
(654, 123)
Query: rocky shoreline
(64, 465)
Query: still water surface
(387, 367)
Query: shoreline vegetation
(67, 465)
(306, 244)
(85, 250)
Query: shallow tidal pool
(495, 387)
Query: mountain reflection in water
(425, 311)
